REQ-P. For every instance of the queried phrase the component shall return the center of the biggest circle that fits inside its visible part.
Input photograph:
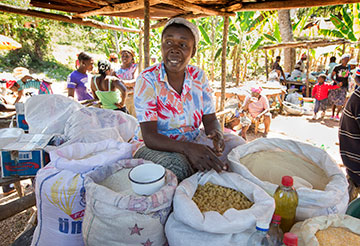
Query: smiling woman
(172, 100)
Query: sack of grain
(115, 215)
(321, 185)
(102, 124)
(60, 192)
(331, 230)
(187, 225)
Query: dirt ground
(320, 133)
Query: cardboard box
(25, 156)
(20, 117)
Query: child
(77, 80)
(320, 93)
(238, 119)
(27, 82)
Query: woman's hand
(218, 141)
(202, 157)
(120, 105)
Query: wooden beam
(233, 8)
(196, 9)
(11, 208)
(120, 7)
(162, 22)
(276, 5)
(223, 67)
(146, 33)
(69, 19)
(305, 44)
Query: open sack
(330, 198)
(306, 230)
(188, 226)
(60, 191)
(115, 215)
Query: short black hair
(83, 56)
(103, 66)
(333, 59)
(278, 57)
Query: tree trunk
(287, 36)
(115, 36)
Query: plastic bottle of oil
(286, 202)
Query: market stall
(108, 194)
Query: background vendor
(77, 80)
(26, 82)
(172, 100)
(128, 73)
(259, 109)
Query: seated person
(172, 100)
(296, 75)
(106, 88)
(294, 96)
(76, 81)
(26, 82)
(258, 106)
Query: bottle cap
(290, 239)
(261, 226)
(287, 181)
(276, 219)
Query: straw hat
(20, 72)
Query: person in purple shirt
(76, 82)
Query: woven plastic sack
(47, 114)
(60, 192)
(188, 226)
(332, 200)
(307, 229)
(97, 119)
(115, 215)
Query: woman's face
(126, 57)
(88, 64)
(177, 48)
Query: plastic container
(260, 237)
(286, 202)
(275, 232)
(147, 179)
(290, 239)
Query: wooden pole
(307, 73)
(11, 208)
(146, 33)
(69, 19)
(223, 68)
(141, 45)
(266, 65)
(344, 48)
(115, 36)
(281, 4)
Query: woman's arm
(119, 85)
(201, 157)
(93, 90)
(19, 96)
(213, 131)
